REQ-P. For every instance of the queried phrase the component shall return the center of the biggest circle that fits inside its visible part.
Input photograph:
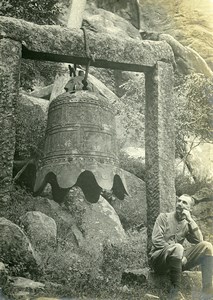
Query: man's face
(183, 202)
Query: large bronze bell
(80, 146)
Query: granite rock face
(190, 22)
(95, 223)
(107, 22)
(132, 211)
(16, 249)
(40, 229)
(30, 124)
(129, 10)
(187, 25)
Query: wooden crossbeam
(60, 44)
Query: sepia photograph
(106, 149)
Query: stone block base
(191, 280)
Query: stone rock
(205, 194)
(107, 22)
(177, 21)
(33, 101)
(133, 209)
(150, 296)
(128, 10)
(124, 289)
(191, 281)
(63, 218)
(200, 159)
(42, 92)
(31, 124)
(132, 159)
(98, 222)
(180, 20)
(134, 276)
(70, 43)
(41, 230)
(3, 274)
(187, 60)
(16, 249)
(21, 295)
(20, 286)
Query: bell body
(80, 137)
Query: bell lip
(67, 175)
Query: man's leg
(202, 254)
(170, 259)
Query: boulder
(134, 276)
(30, 125)
(61, 215)
(132, 159)
(200, 159)
(179, 25)
(32, 100)
(97, 223)
(23, 288)
(126, 9)
(191, 283)
(40, 229)
(101, 20)
(42, 92)
(133, 209)
(150, 296)
(187, 59)
(3, 275)
(16, 249)
(180, 20)
(203, 195)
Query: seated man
(168, 255)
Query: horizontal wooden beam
(60, 44)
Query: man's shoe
(175, 295)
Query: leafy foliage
(43, 12)
(131, 110)
(193, 112)
(36, 11)
(35, 74)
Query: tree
(36, 11)
(193, 113)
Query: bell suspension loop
(89, 56)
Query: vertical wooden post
(10, 57)
(159, 143)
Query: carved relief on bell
(80, 147)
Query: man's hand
(187, 215)
(184, 261)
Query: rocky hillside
(190, 22)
